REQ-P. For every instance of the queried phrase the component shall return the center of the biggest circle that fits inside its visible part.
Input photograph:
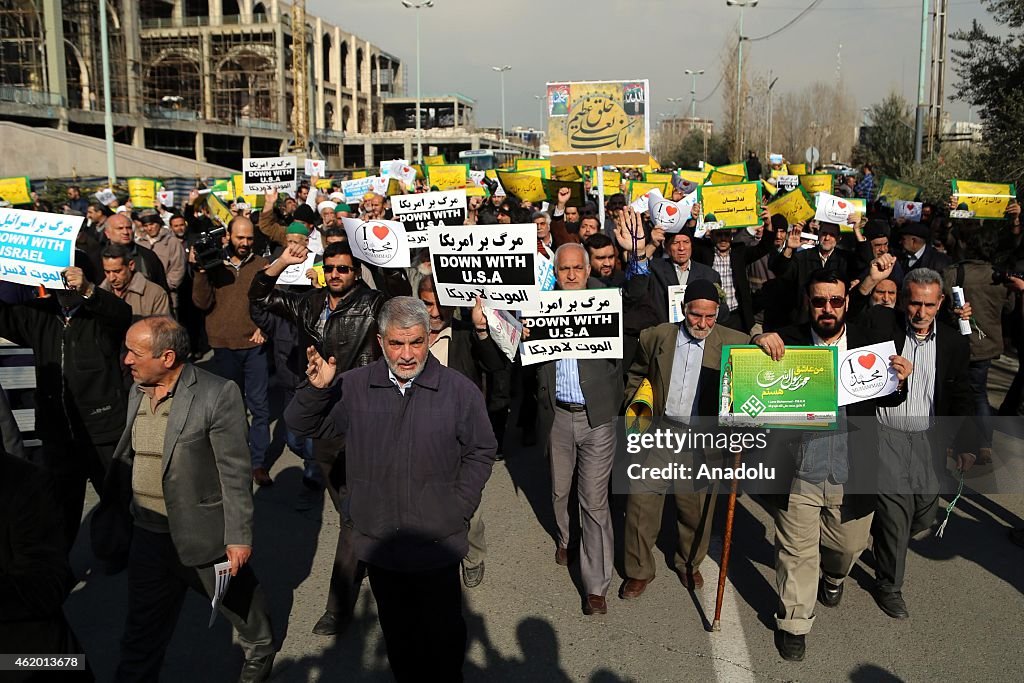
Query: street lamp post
(771, 86)
(501, 70)
(540, 111)
(419, 133)
(742, 4)
(693, 91)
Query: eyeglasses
(344, 270)
(834, 301)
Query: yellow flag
(527, 186)
(544, 165)
(797, 169)
(735, 206)
(142, 192)
(819, 182)
(567, 174)
(356, 175)
(612, 183)
(695, 177)
(637, 189)
(436, 160)
(795, 206)
(986, 200)
(219, 209)
(254, 200)
(323, 184)
(16, 190)
(448, 176)
(658, 178)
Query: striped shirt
(723, 266)
(915, 414)
(567, 382)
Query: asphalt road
(964, 592)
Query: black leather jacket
(349, 334)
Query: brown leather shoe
(262, 477)
(562, 557)
(691, 580)
(595, 604)
(634, 588)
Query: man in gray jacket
(190, 500)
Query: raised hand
(629, 232)
(320, 372)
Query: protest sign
(106, 196)
(527, 186)
(819, 182)
(787, 182)
(379, 243)
(497, 264)
(315, 167)
(642, 204)
(357, 175)
(865, 373)
(35, 247)
(797, 391)
(435, 160)
(890, 190)
(477, 178)
(323, 184)
(219, 211)
(832, 209)
(612, 183)
(775, 159)
(505, 330)
(638, 189)
(584, 323)
(16, 190)
(448, 176)
(795, 207)
(269, 173)
(567, 173)
(664, 178)
(166, 198)
(717, 177)
(355, 189)
(696, 177)
(986, 200)
(769, 188)
(676, 307)
(142, 192)
(400, 170)
(797, 169)
(670, 215)
(739, 169)
(910, 211)
(543, 165)
(599, 122)
(545, 273)
(736, 205)
(417, 212)
(385, 187)
(295, 274)
(238, 194)
(551, 188)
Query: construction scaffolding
(22, 56)
(83, 60)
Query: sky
(560, 40)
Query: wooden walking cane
(716, 625)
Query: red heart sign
(381, 231)
(406, 169)
(866, 361)
(841, 205)
(671, 210)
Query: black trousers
(420, 614)
(72, 465)
(157, 583)
(346, 574)
(898, 517)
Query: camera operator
(222, 291)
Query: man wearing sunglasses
(821, 525)
(340, 321)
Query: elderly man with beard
(238, 347)
(823, 521)
(682, 363)
(419, 449)
(577, 403)
(473, 353)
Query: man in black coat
(915, 239)
(795, 267)
(118, 229)
(913, 441)
(76, 336)
(823, 517)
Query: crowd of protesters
(398, 407)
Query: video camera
(209, 249)
(1002, 277)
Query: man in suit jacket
(681, 269)
(577, 404)
(917, 252)
(190, 498)
(682, 363)
(796, 267)
(821, 525)
(913, 443)
(730, 261)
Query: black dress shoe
(327, 625)
(791, 647)
(892, 604)
(829, 594)
(257, 669)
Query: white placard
(316, 167)
(399, 169)
(505, 330)
(787, 182)
(495, 262)
(379, 243)
(36, 247)
(269, 173)
(106, 196)
(477, 178)
(676, 314)
(910, 211)
(166, 198)
(672, 216)
(354, 190)
(646, 200)
(545, 273)
(581, 324)
(296, 274)
(865, 373)
(417, 212)
(832, 209)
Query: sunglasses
(344, 270)
(835, 301)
